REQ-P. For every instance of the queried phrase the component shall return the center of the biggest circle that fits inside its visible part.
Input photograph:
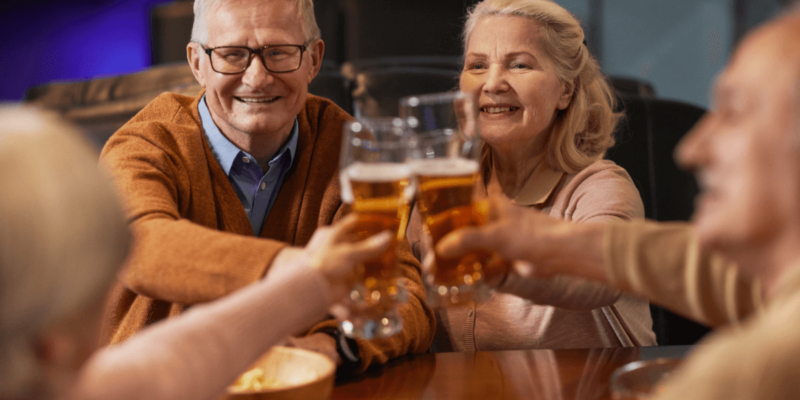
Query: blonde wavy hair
(63, 235)
(304, 7)
(581, 133)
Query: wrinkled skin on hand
(330, 253)
(539, 245)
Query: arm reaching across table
(660, 262)
(197, 355)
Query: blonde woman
(546, 117)
(63, 237)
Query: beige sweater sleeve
(198, 354)
(663, 263)
(754, 360)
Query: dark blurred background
(51, 40)
(678, 46)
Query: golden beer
(445, 198)
(380, 201)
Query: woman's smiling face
(513, 79)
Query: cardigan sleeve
(175, 259)
(419, 322)
(753, 360)
(663, 262)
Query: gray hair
(63, 235)
(304, 7)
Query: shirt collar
(539, 186)
(226, 152)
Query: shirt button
(245, 160)
(263, 185)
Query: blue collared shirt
(257, 191)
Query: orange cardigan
(193, 240)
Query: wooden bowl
(641, 380)
(298, 374)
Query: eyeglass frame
(251, 51)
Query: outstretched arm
(660, 262)
(198, 354)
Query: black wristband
(346, 347)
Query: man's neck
(262, 146)
(772, 261)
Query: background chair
(101, 106)
(379, 83)
(632, 87)
(646, 140)
(331, 84)
(381, 28)
(170, 31)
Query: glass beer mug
(445, 161)
(376, 186)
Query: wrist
(346, 347)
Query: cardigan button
(263, 185)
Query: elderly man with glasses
(223, 185)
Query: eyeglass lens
(275, 58)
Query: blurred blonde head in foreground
(62, 238)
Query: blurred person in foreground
(546, 117)
(63, 237)
(746, 153)
(222, 186)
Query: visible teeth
(261, 100)
(496, 110)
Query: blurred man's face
(256, 101)
(746, 151)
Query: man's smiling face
(745, 151)
(256, 101)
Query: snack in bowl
(255, 379)
(286, 373)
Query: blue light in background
(47, 41)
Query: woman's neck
(512, 166)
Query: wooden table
(525, 374)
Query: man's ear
(566, 94)
(194, 53)
(316, 50)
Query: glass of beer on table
(376, 185)
(445, 162)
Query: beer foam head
(444, 167)
(371, 172)
(377, 172)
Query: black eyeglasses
(235, 59)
